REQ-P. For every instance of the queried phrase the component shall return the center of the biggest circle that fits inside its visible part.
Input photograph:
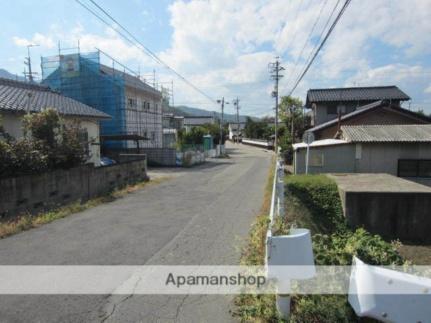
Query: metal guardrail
(365, 280)
(258, 142)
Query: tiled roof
(387, 133)
(14, 96)
(130, 80)
(356, 94)
(366, 108)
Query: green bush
(48, 144)
(320, 195)
(333, 244)
(339, 248)
(21, 157)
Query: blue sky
(224, 46)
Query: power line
(307, 40)
(343, 9)
(143, 48)
(321, 35)
(295, 23)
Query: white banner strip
(127, 280)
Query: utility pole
(172, 90)
(222, 101)
(28, 63)
(236, 104)
(275, 69)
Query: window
(414, 167)
(335, 109)
(153, 135)
(331, 109)
(132, 103)
(83, 140)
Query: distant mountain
(190, 112)
(5, 74)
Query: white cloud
(224, 46)
(37, 39)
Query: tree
(293, 117)
(258, 129)
(60, 143)
(294, 124)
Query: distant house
(195, 121)
(400, 150)
(380, 112)
(327, 104)
(18, 98)
(236, 130)
(135, 106)
(171, 125)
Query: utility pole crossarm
(275, 69)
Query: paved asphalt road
(199, 216)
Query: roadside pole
(275, 69)
(222, 102)
(308, 138)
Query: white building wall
(383, 158)
(12, 124)
(144, 117)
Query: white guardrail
(366, 282)
(294, 249)
(258, 142)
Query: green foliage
(44, 126)
(291, 115)
(256, 308)
(195, 135)
(333, 244)
(321, 309)
(21, 157)
(258, 129)
(320, 195)
(48, 144)
(339, 248)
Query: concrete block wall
(160, 156)
(404, 216)
(35, 193)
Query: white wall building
(18, 98)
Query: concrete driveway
(199, 216)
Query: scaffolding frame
(112, 87)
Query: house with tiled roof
(18, 98)
(328, 104)
(402, 150)
(382, 112)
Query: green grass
(257, 308)
(313, 202)
(27, 221)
